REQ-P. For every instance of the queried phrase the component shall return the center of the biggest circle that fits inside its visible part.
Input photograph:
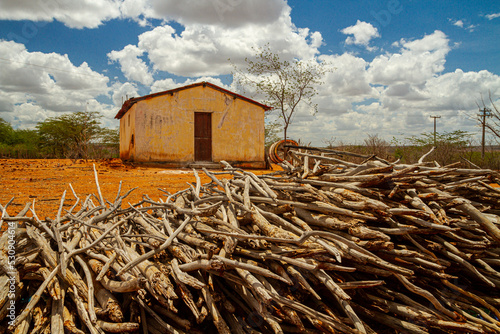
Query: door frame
(203, 136)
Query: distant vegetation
(80, 135)
(451, 147)
(77, 135)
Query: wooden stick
(34, 299)
(152, 253)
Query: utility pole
(483, 114)
(435, 128)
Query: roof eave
(130, 102)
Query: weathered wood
(372, 246)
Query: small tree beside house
(285, 84)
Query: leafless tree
(285, 84)
(490, 117)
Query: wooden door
(202, 136)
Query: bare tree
(285, 84)
(493, 114)
(377, 146)
(330, 143)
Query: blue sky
(394, 63)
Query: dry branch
(341, 247)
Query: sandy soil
(44, 181)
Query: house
(197, 123)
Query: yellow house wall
(237, 130)
(127, 130)
(164, 127)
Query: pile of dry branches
(324, 246)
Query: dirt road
(44, 181)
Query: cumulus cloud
(74, 14)
(347, 75)
(412, 78)
(212, 33)
(412, 81)
(362, 33)
(348, 128)
(405, 91)
(25, 115)
(417, 61)
(227, 13)
(36, 83)
(163, 85)
(394, 95)
(204, 50)
(167, 84)
(132, 66)
(123, 91)
(346, 82)
(93, 13)
(457, 90)
(43, 74)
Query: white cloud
(492, 16)
(7, 101)
(451, 95)
(462, 24)
(25, 115)
(348, 128)
(412, 78)
(394, 95)
(394, 92)
(458, 90)
(347, 76)
(412, 83)
(471, 27)
(362, 33)
(139, 10)
(163, 85)
(93, 13)
(123, 91)
(398, 94)
(405, 91)
(204, 50)
(48, 78)
(228, 13)
(346, 82)
(167, 84)
(132, 66)
(418, 61)
(35, 85)
(74, 14)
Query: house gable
(130, 102)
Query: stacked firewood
(325, 245)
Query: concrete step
(205, 164)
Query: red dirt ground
(44, 181)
